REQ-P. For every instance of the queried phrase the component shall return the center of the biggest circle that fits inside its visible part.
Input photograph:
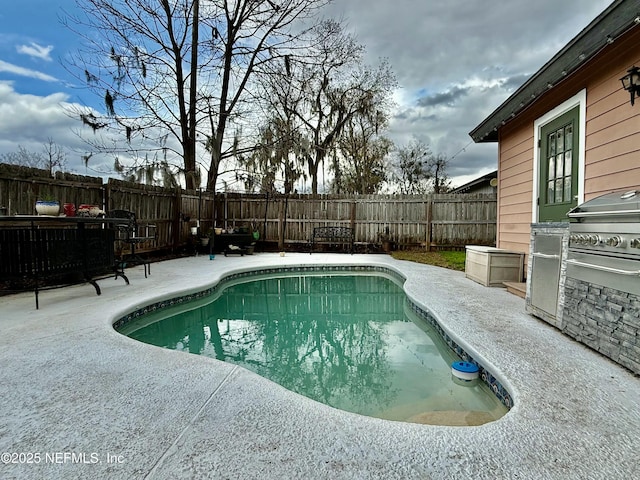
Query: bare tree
(333, 87)
(313, 101)
(252, 35)
(281, 150)
(363, 168)
(441, 181)
(22, 156)
(52, 158)
(55, 158)
(175, 73)
(417, 170)
(411, 168)
(137, 55)
(275, 160)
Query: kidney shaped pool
(348, 340)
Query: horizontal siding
(610, 151)
(603, 112)
(515, 208)
(524, 165)
(613, 140)
(515, 156)
(520, 196)
(514, 193)
(608, 130)
(518, 179)
(512, 224)
(515, 243)
(516, 246)
(627, 164)
(627, 180)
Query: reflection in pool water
(349, 341)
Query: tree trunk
(190, 141)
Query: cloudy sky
(456, 61)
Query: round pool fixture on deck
(464, 370)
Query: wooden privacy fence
(20, 187)
(433, 221)
(443, 220)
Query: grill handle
(630, 273)
(578, 214)
(546, 255)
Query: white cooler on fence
(492, 266)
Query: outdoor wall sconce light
(631, 82)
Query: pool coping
(75, 386)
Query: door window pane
(567, 189)
(568, 138)
(560, 141)
(567, 163)
(559, 166)
(559, 190)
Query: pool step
(517, 288)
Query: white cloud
(25, 72)
(35, 50)
(30, 120)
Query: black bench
(331, 236)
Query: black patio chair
(133, 233)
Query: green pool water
(349, 341)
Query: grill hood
(616, 204)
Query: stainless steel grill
(602, 282)
(604, 241)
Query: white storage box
(492, 266)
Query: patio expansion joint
(175, 444)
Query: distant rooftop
(476, 182)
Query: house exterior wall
(612, 141)
(515, 186)
(613, 126)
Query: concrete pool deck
(79, 400)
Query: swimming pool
(352, 341)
